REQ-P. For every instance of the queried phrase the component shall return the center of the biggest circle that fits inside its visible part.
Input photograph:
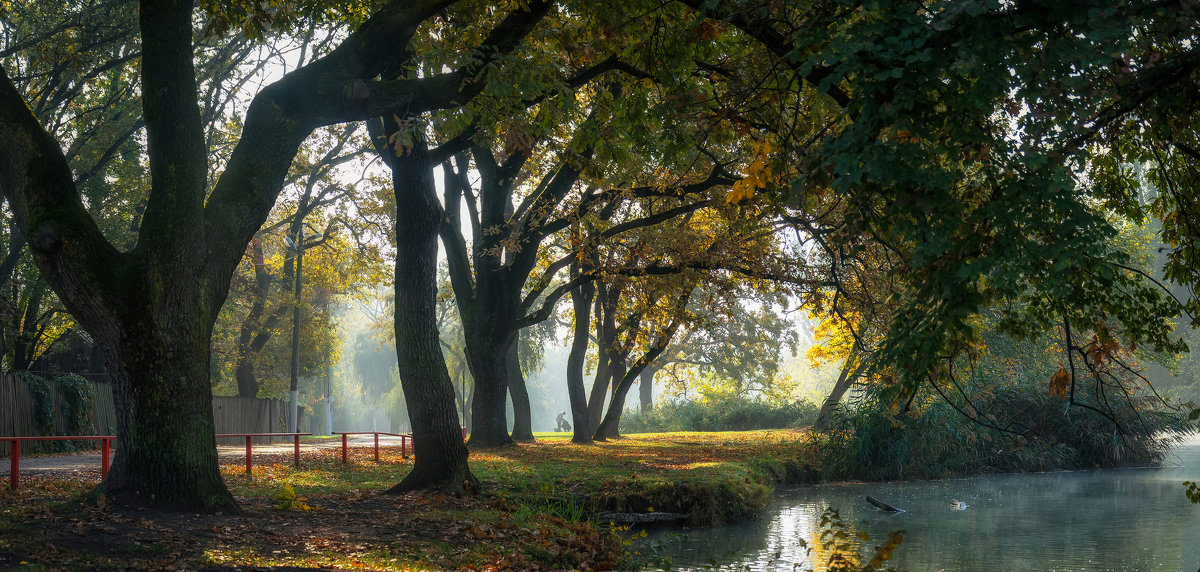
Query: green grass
(714, 477)
(535, 509)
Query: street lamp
(298, 245)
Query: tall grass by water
(1028, 432)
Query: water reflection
(1132, 519)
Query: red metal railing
(14, 480)
(14, 460)
(404, 437)
(250, 439)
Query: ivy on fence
(76, 397)
(43, 402)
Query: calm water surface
(1129, 519)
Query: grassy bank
(535, 512)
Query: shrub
(719, 414)
(77, 398)
(1048, 434)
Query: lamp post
(298, 245)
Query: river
(1124, 519)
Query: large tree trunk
(489, 417)
(441, 458)
(522, 412)
(166, 454)
(243, 372)
(581, 299)
(599, 392)
(646, 389)
(851, 369)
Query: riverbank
(537, 509)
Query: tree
(734, 346)
(262, 291)
(401, 141)
(151, 308)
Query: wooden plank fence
(230, 414)
(17, 418)
(252, 415)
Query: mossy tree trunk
(165, 453)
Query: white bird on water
(957, 505)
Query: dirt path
(89, 461)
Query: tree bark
(581, 299)
(605, 339)
(428, 391)
(522, 412)
(169, 424)
(489, 417)
(646, 389)
(851, 369)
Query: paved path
(90, 460)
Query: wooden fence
(230, 414)
(252, 415)
(17, 417)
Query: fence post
(343, 448)
(249, 457)
(14, 458)
(404, 446)
(376, 447)
(103, 458)
(296, 443)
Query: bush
(719, 414)
(941, 442)
(77, 399)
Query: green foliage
(727, 413)
(840, 540)
(43, 402)
(75, 395)
(872, 443)
(77, 398)
(288, 500)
